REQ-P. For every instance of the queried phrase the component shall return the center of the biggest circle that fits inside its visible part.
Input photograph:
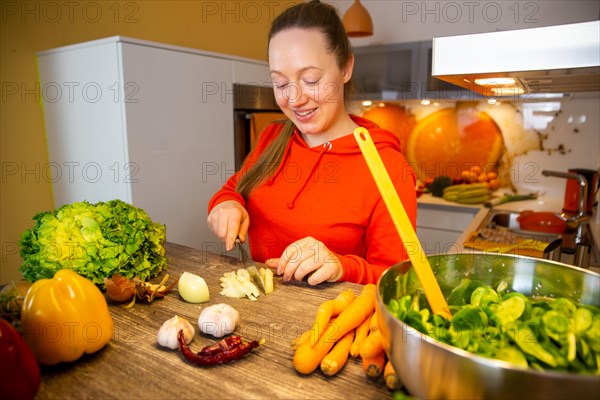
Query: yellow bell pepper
(64, 317)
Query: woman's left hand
(310, 257)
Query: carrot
(308, 336)
(390, 377)
(372, 345)
(328, 309)
(335, 360)
(352, 316)
(374, 322)
(300, 340)
(362, 331)
(342, 301)
(307, 358)
(323, 316)
(373, 366)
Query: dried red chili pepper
(222, 345)
(219, 357)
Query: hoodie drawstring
(326, 147)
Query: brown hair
(310, 15)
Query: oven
(254, 107)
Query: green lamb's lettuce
(545, 334)
(95, 240)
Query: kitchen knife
(250, 267)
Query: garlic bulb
(167, 334)
(218, 320)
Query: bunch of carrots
(343, 327)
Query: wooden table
(133, 366)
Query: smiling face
(309, 83)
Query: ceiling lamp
(357, 21)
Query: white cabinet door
(180, 136)
(251, 73)
(84, 124)
(439, 226)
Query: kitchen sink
(581, 252)
(503, 219)
(506, 220)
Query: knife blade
(250, 267)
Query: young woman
(305, 197)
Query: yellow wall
(231, 27)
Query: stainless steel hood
(555, 59)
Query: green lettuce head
(95, 240)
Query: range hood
(555, 59)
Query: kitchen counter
(132, 365)
(542, 203)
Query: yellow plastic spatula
(417, 256)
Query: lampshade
(357, 21)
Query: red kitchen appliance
(541, 221)
(572, 191)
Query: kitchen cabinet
(440, 226)
(143, 122)
(402, 71)
(434, 89)
(388, 70)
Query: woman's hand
(229, 220)
(310, 257)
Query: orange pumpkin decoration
(394, 119)
(452, 140)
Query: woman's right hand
(228, 221)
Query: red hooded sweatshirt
(327, 192)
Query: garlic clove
(167, 334)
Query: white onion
(192, 288)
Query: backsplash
(553, 134)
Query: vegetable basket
(431, 369)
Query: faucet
(579, 220)
(581, 209)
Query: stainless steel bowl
(434, 370)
